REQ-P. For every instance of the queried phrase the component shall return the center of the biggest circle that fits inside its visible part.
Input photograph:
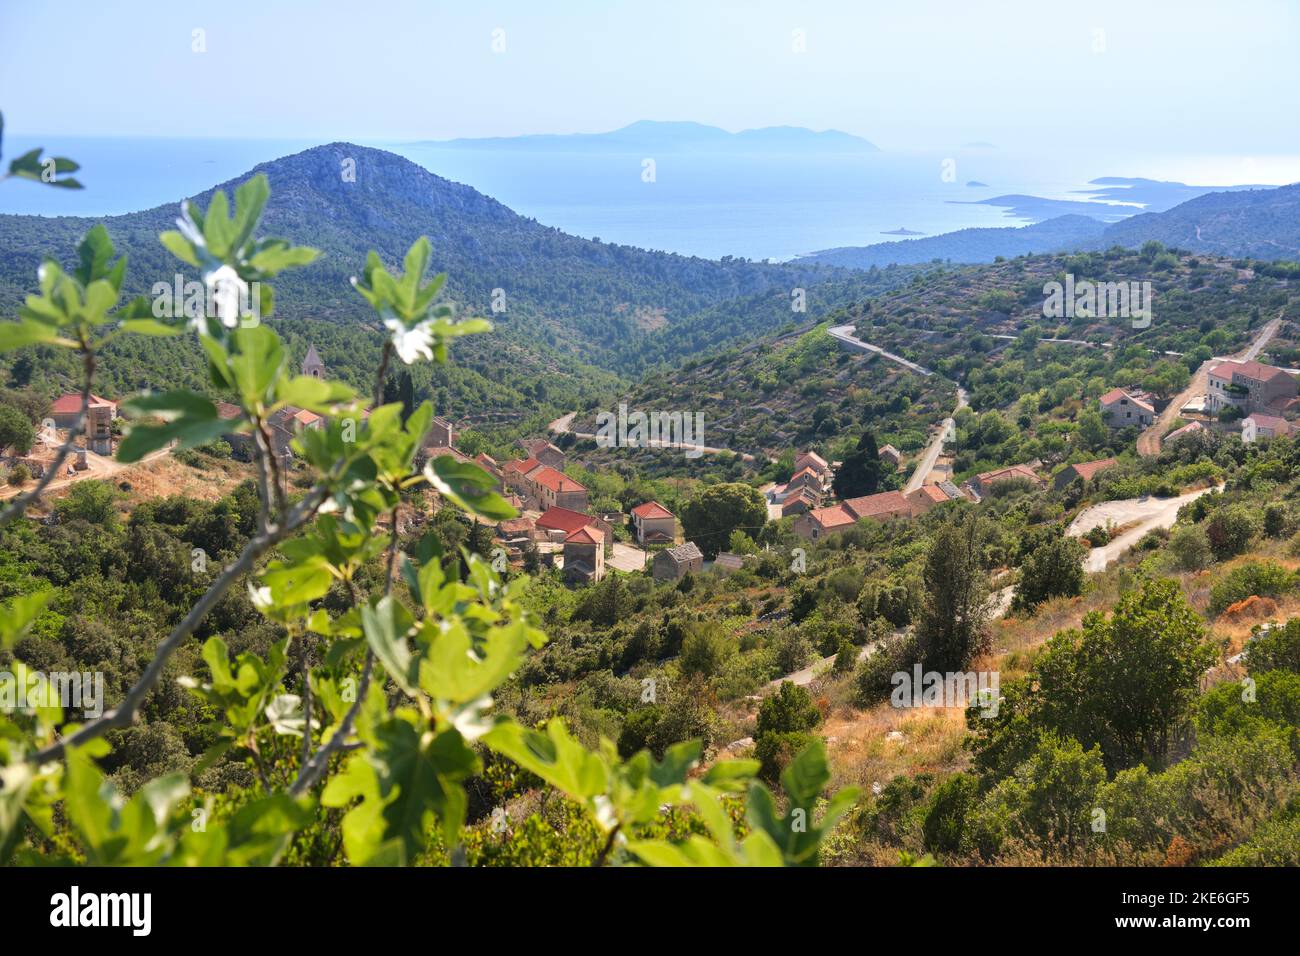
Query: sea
(757, 206)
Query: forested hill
(1256, 223)
(596, 301)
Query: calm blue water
(757, 206)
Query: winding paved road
(947, 428)
(1148, 443)
(563, 426)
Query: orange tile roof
(1087, 469)
(1002, 474)
(1256, 370)
(870, 506)
(1187, 429)
(833, 517)
(524, 466)
(556, 481)
(1117, 394)
(71, 403)
(933, 492)
(651, 509)
(562, 519)
(1271, 421)
(585, 535)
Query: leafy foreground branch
(398, 687)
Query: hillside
(793, 391)
(968, 245)
(594, 301)
(1259, 223)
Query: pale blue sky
(1188, 76)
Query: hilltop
(596, 302)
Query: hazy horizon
(1143, 76)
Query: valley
(919, 469)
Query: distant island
(900, 231)
(976, 184)
(674, 136)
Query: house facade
(543, 487)
(885, 506)
(810, 459)
(556, 524)
(1257, 426)
(1120, 409)
(671, 564)
(1250, 386)
(584, 555)
(65, 408)
(652, 523)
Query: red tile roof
(1087, 469)
(1117, 394)
(810, 459)
(1002, 474)
(70, 403)
(562, 519)
(833, 517)
(933, 492)
(1271, 421)
(651, 509)
(585, 535)
(516, 526)
(1187, 429)
(556, 481)
(885, 503)
(523, 466)
(1256, 370)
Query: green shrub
(790, 709)
(1231, 529)
(1262, 578)
(874, 681)
(1276, 649)
(775, 751)
(1046, 804)
(950, 806)
(1189, 548)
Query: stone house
(653, 524)
(671, 564)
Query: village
(557, 528)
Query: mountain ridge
(671, 135)
(1238, 222)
